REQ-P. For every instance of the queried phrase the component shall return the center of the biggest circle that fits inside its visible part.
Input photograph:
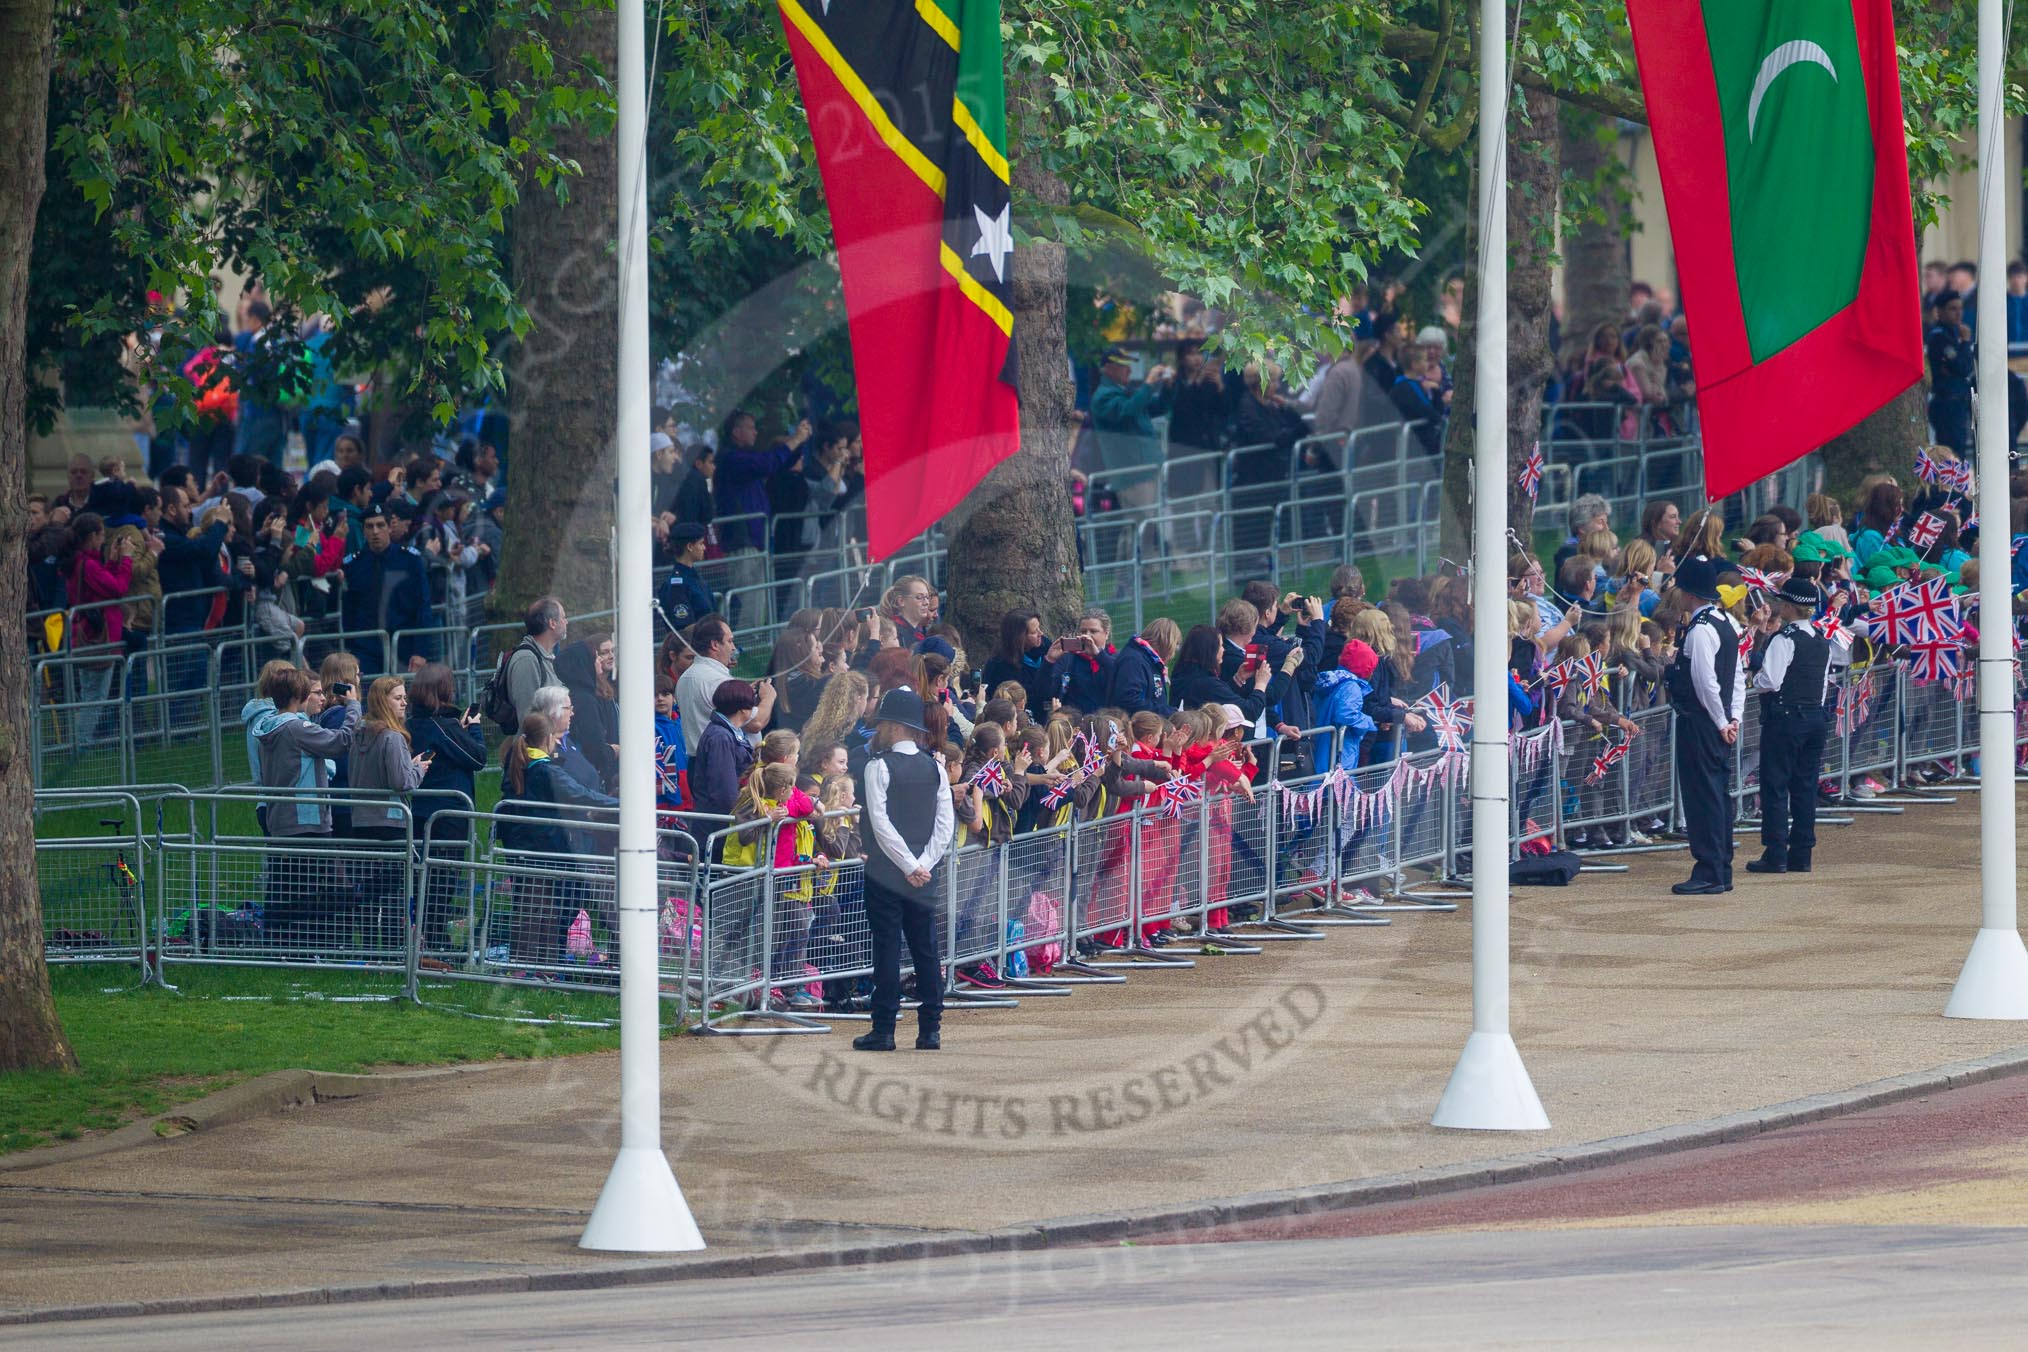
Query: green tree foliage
(329, 147)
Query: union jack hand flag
(1756, 579)
(1829, 626)
(1590, 670)
(1925, 465)
(1933, 660)
(1915, 611)
(1531, 472)
(1928, 528)
(992, 777)
(1605, 760)
(1450, 719)
(1955, 474)
(1555, 678)
(1178, 794)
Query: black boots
(1799, 861)
(928, 1040)
(1768, 863)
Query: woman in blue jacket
(1141, 672)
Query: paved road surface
(1952, 1159)
(1847, 1288)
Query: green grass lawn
(142, 1052)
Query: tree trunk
(31, 1036)
(1531, 210)
(1883, 444)
(563, 376)
(1012, 542)
(1595, 277)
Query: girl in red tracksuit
(1161, 836)
(1116, 789)
(1219, 754)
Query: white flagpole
(640, 1209)
(1490, 1089)
(1994, 982)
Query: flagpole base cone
(641, 1210)
(1994, 982)
(1490, 1089)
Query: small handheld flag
(1928, 528)
(1531, 472)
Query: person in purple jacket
(743, 473)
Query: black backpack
(494, 701)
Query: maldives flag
(1777, 128)
(908, 111)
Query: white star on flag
(996, 240)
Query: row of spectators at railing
(1077, 727)
(253, 549)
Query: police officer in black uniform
(1953, 368)
(1708, 689)
(1796, 709)
(909, 825)
(686, 598)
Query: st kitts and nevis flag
(1778, 133)
(908, 113)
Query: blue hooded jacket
(1341, 703)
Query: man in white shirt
(711, 637)
(911, 823)
(1797, 683)
(1707, 686)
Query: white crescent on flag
(1774, 63)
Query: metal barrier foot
(1077, 972)
(791, 1024)
(1335, 915)
(1137, 958)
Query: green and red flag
(908, 112)
(1778, 132)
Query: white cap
(659, 443)
(1233, 717)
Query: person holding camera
(454, 740)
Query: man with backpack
(528, 666)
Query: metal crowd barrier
(462, 902)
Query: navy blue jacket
(685, 598)
(389, 590)
(547, 794)
(460, 754)
(1083, 683)
(188, 564)
(1140, 681)
(718, 767)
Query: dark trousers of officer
(1791, 757)
(1704, 785)
(894, 917)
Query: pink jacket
(92, 580)
(801, 806)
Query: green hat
(1879, 575)
(1814, 547)
(1897, 556)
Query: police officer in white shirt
(910, 824)
(1707, 686)
(1797, 691)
